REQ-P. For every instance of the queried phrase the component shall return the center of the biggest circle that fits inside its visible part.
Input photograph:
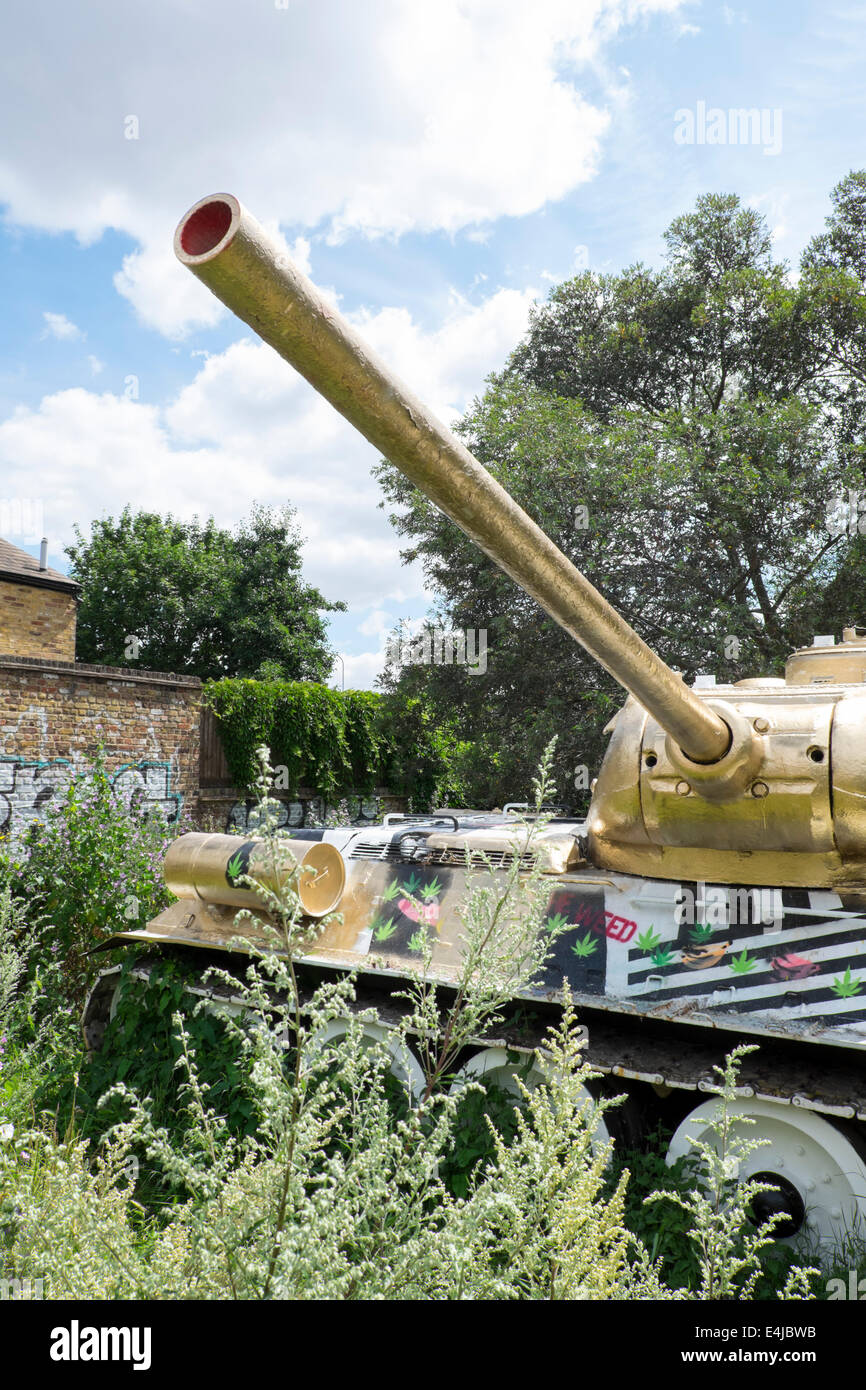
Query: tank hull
(761, 963)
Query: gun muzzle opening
(206, 228)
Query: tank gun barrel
(224, 246)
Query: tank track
(669, 1059)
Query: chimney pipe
(43, 554)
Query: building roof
(17, 567)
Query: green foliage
(337, 741)
(663, 1226)
(326, 739)
(484, 1111)
(142, 1049)
(90, 867)
(200, 599)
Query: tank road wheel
(495, 1064)
(405, 1067)
(819, 1173)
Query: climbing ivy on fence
(335, 741)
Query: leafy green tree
(683, 434)
(187, 596)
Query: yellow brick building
(38, 608)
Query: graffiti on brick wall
(28, 787)
(355, 810)
(147, 785)
(243, 816)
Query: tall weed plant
(339, 1190)
(91, 866)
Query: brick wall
(37, 621)
(54, 714)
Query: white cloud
(247, 428)
(95, 365)
(361, 670)
(161, 297)
(376, 119)
(376, 625)
(59, 326)
(774, 207)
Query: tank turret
(760, 782)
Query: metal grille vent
(366, 849)
(499, 858)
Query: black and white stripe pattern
(810, 965)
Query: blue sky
(437, 167)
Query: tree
(683, 434)
(170, 595)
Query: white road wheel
(495, 1064)
(404, 1064)
(820, 1175)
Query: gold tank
(716, 890)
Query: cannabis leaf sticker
(700, 933)
(847, 985)
(430, 890)
(556, 922)
(662, 957)
(391, 892)
(385, 929)
(742, 964)
(418, 940)
(235, 866)
(647, 941)
(584, 947)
